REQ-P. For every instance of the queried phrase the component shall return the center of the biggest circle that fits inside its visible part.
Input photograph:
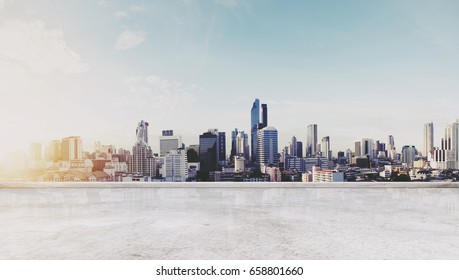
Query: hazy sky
(356, 68)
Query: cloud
(166, 98)
(120, 15)
(104, 3)
(139, 8)
(130, 39)
(30, 44)
(2, 5)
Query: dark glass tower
(208, 155)
(221, 146)
(254, 123)
(264, 119)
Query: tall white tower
(428, 140)
(311, 141)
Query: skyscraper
(142, 161)
(242, 145)
(408, 154)
(208, 152)
(293, 147)
(72, 148)
(452, 141)
(299, 149)
(311, 141)
(325, 147)
(357, 149)
(142, 132)
(175, 167)
(267, 146)
(264, 118)
(234, 135)
(254, 123)
(222, 148)
(367, 148)
(428, 140)
(54, 151)
(169, 142)
(391, 151)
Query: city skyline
(357, 70)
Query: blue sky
(356, 68)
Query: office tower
(35, 152)
(239, 164)
(299, 149)
(452, 142)
(408, 154)
(311, 142)
(428, 140)
(348, 155)
(325, 147)
(234, 135)
(267, 146)
(254, 123)
(367, 148)
(293, 147)
(391, 151)
(142, 132)
(242, 144)
(142, 161)
(222, 148)
(444, 156)
(72, 148)
(208, 152)
(169, 142)
(358, 149)
(175, 167)
(264, 114)
(54, 151)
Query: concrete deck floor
(229, 221)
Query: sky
(357, 69)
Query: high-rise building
(142, 161)
(325, 147)
(267, 146)
(264, 116)
(234, 135)
(54, 153)
(428, 140)
(208, 151)
(299, 149)
(293, 147)
(357, 149)
(408, 154)
(367, 148)
(311, 142)
(222, 148)
(257, 122)
(175, 167)
(72, 148)
(242, 145)
(254, 124)
(391, 151)
(452, 141)
(239, 164)
(142, 132)
(169, 142)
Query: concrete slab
(229, 221)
